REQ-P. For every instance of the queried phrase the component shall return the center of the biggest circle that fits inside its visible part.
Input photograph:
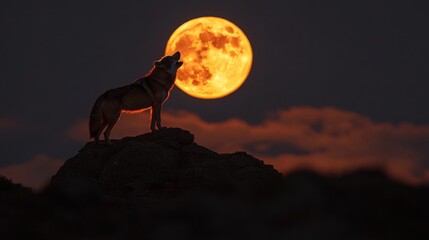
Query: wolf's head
(169, 64)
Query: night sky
(334, 86)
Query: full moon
(216, 56)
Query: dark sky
(367, 57)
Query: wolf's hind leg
(111, 121)
(97, 137)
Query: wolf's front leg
(158, 117)
(152, 119)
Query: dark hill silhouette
(161, 165)
(162, 185)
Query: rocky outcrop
(198, 189)
(161, 165)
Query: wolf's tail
(96, 117)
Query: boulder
(161, 165)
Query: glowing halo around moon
(217, 57)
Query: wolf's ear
(158, 64)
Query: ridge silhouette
(162, 185)
(161, 165)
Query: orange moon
(216, 54)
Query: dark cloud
(35, 173)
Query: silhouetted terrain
(164, 186)
(161, 165)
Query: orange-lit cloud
(327, 139)
(7, 124)
(35, 173)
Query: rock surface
(196, 184)
(161, 165)
(164, 186)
